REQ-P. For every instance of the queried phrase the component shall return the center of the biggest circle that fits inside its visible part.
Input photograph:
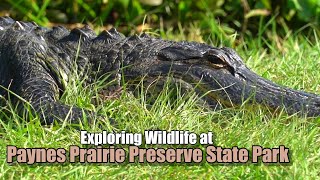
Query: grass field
(292, 62)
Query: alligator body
(37, 62)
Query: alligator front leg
(41, 92)
(33, 81)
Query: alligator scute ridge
(36, 62)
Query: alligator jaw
(231, 83)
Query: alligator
(37, 62)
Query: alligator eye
(217, 62)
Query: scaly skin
(37, 62)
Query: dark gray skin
(37, 62)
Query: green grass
(295, 65)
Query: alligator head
(221, 74)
